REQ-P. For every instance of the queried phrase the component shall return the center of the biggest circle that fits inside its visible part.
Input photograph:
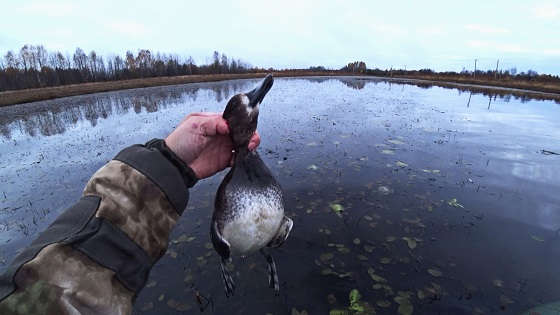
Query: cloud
(128, 28)
(496, 46)
(486, 29)
(546, 11)
(52, 9)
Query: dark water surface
(436, 198)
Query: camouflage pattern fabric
(61, 280)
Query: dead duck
(249, 205)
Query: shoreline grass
(531, 89)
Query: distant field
(32, 95)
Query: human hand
(203, 142)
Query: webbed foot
(272, 273)
(229, 285)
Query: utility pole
(496, 73)
(474, 73)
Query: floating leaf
(453, 202)
(435, 272)
(375, 277)
(312, 167)
(368, 218)
(536, 238)
(390, 238)
(405, 309)
(356, 241)
(387, 151)
(498, 283)
(296, 312)
(184, 238)
(393, 141)
(181, 307)
(343, 250)
(383, 303)
(401, 164)
(410, 242)
(384, 190)
(326, 257)
(362, 257)
(337, 208)
(354, 298)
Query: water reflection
(52, 117)
(467, 186)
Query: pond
(431, 199)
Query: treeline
(35, 67)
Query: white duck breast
(258, 215)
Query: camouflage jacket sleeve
(96, 256)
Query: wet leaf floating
(296, 312)
(410, 242)
(312, 167)
(375, 277)
(390, 239)
(387, 151)
(326, 257)
(384, 190)
(435, 272)
(176, 305)
(337, 208)
(536, 238)
(401, 164)
(453, 202)
(406, 308)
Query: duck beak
(256, 96)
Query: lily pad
(405, 309)
(435, 272)
(410, 242)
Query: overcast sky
(441, 35)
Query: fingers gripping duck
(249, 206)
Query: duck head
(242, 113)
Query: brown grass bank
(530, 89)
